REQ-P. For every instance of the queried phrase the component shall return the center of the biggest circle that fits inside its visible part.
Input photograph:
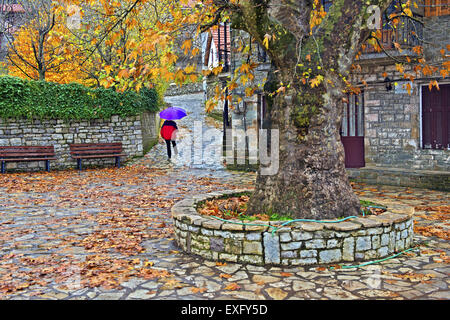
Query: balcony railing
(407, 33)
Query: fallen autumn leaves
(103, 216)
(71, 231)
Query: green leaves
(39, 99)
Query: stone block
(253, 236)
(285, 237)
(252, 259)
(306, 261)
(271, 248)
(252, 247)
(217, 244)
(376, 242)
(233, 246)
(330, 256)
(332, 243)
(291, 246)
(363, 243)
(308, 253)
(289, 254)
(301, 235)
(315, 244)
(228, 257)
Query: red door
(436, 117)
(352, 131)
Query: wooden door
(352, 131)
(436, 117)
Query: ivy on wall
(32, 99)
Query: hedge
(31, 99)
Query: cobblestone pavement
(107, 234)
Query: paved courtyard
(107, 234)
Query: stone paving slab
(36, 229)
(68, 227)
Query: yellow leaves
(267, 38)
(108, 69)
(413, 277)
(398, 47)
(233, 85)
(170, 58)
(400, 68)
(186, 46)
(217, 70)
(123, 73)
(190, 68)
(317, 15)
(210, 105)
(433, 83)
(249, 91)
(316, 81)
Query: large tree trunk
(310, 68)
(311, 181)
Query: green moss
(215, 115)
(307, 104)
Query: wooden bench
(96, 150)
(26, 153)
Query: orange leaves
(225, 208)
(186, 46)
(232, 287)
(198, 290)
(286, 274)
(414, 277)
(317, 15)
(430, 231)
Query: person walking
(168, 133)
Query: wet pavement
(199, 138)
(107, 234)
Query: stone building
(11, 17)
(394, 132)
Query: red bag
(167, 132)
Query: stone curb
(299, 243)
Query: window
(436, 117)
(436, 8)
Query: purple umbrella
(172, 113)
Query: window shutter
(437, 8)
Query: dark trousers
(169, 151)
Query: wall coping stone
(357, 239)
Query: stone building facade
(135, 133)
(391, 136)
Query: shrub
(40, 99)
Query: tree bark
(311, 181)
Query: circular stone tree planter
(299, 243)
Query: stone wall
(435, 180)
(392, 123)
(436, 37)
(130, 131)
(175, 90)
(299, 243)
